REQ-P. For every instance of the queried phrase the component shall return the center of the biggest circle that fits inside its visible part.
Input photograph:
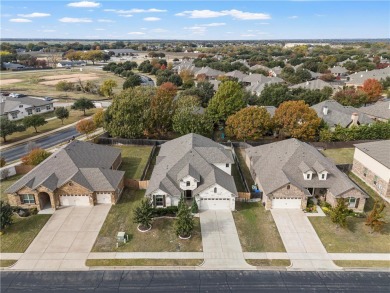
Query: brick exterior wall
(332, 200)
(358, 170)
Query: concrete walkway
(221, 245)
(65, 241)
(301, 241)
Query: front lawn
(143, 262)
(4, 184)
(21, 233)
(363, 263)
(134, 159)
(256, 228)
(357, 237)
(340, 156)
(161, 237)
(269, 262)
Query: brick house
(371, 163)
(290, 172)
(81, 174)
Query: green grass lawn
(5, 263)
(269, 262)
(245, 170)
(74, 116)
(356, 237)
(161, 237)
(4, 184)
(21, 233)
(143, 262)
(134, 159)
(256, 228)
(340, 156)
(363, 263)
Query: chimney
(355, 118)
(325, 110)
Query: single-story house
(209, 72)
(290, 172)
(338, 71)
(316, 84)
(12, 66)
(379, 111)
(357, 79)
(333, 113)
(236, 74)
(371, 163)
(193, 167)
(80, 174)
(18, 108)
(68, 63)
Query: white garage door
(74, 200)
(103, 198)
(215, 204)
(286, 203)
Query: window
(322, 176)
(20, 106)
(288, 186)
(365, 172)
(375, 180)
(14, 115)
(37, 109)
(351, 202)
(227, 165)
(188, 183)
(308, 176)
(159, 200)
(48, 107)
(215, 190)
(29, 112)
(28, 198)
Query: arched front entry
(44, 200)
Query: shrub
(194, 207)
(5, 215)
(64, 86)
(162, 212)
(185, 222)
(35, 157)
(325, 210)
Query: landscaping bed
(256, 228)
(134, 159)
(143, 262)
(161, 238)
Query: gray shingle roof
(236, 74)
(316, 84)
(83, 162)
(339, 114)
(209, 72)
(380, 109)
(280, 163)
(338, 70)
(359, 78)
(194, 155)
(378, 150)
(10, 103)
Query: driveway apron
(66, 240)
(301, 241)
(221, 245)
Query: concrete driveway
(221, 245)
(301, 241)
(66, 240)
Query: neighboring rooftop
(378, 150)
(380, 109)
(316, 84)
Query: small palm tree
(143, 214)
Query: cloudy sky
(203, 20)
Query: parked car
(16, 95)
(48, 99)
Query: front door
(188, 194)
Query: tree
(5, 215)
(194, 207)
(132, 81)
(8, 127)
(83, 104)
(143, 214)
(339, 213)
(189, 117)
(107, 87)
(373, 89)
(249, 123)
(62, 113)
(2, 162)
(64, 86)
(93, 55)
(351, 97)
(35, 157)
(374, 219)
(274, 95)
(85, 126)
(34, 121)
(297, 119)
(128, 115)
(98, 118)
(227, 100)
(204, 90)
(185, 222)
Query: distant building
(68, 63)
(18, 108)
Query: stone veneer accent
(332, 200)
(358, 170)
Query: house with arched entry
(80, 174)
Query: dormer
(188, 178)
(307, 172)
(321, 171)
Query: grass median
(142, 262)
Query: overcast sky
(205, 20)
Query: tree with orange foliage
(297, 119)
(373, 89)
(85, 126)
(35, 157)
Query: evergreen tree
(143, 214)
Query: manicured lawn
(269, 262)
(245, 170)
(143, 262)
(357, 237)
(21, 233)
(4, 184)
(74, 116)
(161, 237)
(363, 263)
(340, 156)
(134, 159)
(5, 263)
(256, 228)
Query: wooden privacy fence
(136, 184)
(244, 195)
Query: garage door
(103, 198)
(286, 203)
(215, 204)
(74, 200)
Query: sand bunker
(9, 81)
(54, 79)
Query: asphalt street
(45, 142)
(194, 281)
